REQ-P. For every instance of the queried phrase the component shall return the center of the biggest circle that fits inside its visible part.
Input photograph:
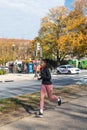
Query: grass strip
(32, 100)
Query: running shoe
(59, 101)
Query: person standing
(46, 86)
(38, 69)
(35, 70)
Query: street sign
(38, 46)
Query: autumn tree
(51, 29)
(21, 51)
(80, 5)
(77, 29)
(64, 33)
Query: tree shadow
(28, 108)
(74, 111)
(33, 107)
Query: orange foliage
(14, 49)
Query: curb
(7, 81)
(1, 81)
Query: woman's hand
(39, 78)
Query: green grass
(32, 100)
(15, 103)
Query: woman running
(46, 87)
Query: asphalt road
(11, 89)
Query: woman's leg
(42, 94)
(49, 89)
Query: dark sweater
(45, 76)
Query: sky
(21, 18)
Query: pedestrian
(35, 70)
(38, 69)
(46, 87)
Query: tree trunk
(58, 59)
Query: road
(11, 89)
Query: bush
(2, 72)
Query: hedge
(2, 72)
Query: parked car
(67, 69)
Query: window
(63, 67)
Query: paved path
(70, 116)
(16, 77)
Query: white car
(67, 69)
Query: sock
(41, 110)
(58, 98)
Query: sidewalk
(16, 77)
(69, 116)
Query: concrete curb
(15, 77)
(7, 81)
(15, 80)
(1, 81)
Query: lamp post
(13, 49)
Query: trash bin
(30, 68)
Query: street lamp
(13, 48)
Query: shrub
(2, 72)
